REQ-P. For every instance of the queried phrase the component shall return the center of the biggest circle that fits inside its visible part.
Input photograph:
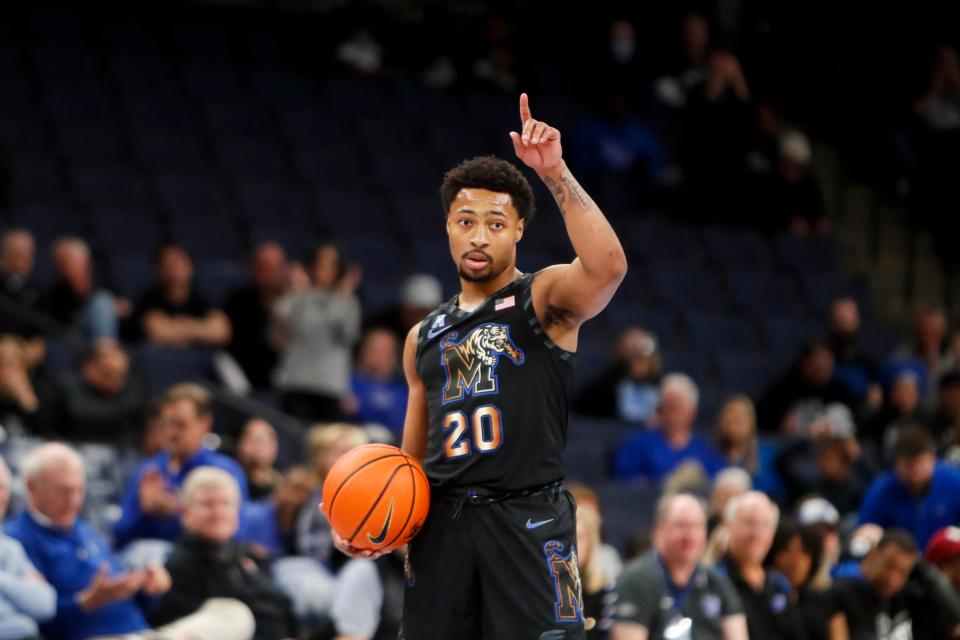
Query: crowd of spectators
(834, 498)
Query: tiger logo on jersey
(471, 363)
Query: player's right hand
(350, 550)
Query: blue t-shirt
(889, 504)
(69, 560)
(134, 524)
(647, 454)
(383, 402)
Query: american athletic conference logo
(470, 364)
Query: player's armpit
(415, 422)
(629, 631)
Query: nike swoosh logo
(534, 525)
(553, 635)
(386, 526)
(433, 333)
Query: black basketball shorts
(495, 567)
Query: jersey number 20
(482, 432)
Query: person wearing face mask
(668, 593)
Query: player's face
(484, 229)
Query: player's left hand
(537, 144)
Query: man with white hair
(667, 593)
(655, 453)
(751, 522)
(75, 300)
(94, 594)
(206, 563)
(25, 597)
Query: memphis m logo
(471, 363)
(564, 571)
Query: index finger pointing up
(524, 108)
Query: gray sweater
(23, 602)
(323, 327)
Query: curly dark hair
(493, 174)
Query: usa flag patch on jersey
(504, 303)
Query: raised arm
(415, 422)
(570, 294)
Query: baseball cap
(944, 546)
(818, 511)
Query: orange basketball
(376, 497)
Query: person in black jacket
(206, 563)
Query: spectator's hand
(157, 580)
(874, 396)
(352, 276)
(15, 385)
(155, 498)
(104, 590)
(537, 144)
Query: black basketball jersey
(498, 394)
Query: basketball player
(490, 374)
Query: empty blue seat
(273, 202)
(208, 239)
(109, 186)
(710, 332)
(737, 248)
(217, 279)
(763, 293)
(657, 242)
(687, 289)
(407, 172)
(35, 178)
(21, 132)
(211, 79)
(161, 150)
(586, 463)
(252, 158)
(314, 128)
(692, 363)
(131, 275)
(785, 334)
(84, 144)
(193, 196)
(47, 223)
(163, 111)
(124, 232)
(163, 367)
(237, 117)
(285, 87)
(741, 372)
(805, 255)
(627, 510)
(74, 104)
(336, 167)
(346, 212)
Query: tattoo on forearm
(567, 189)
(557, 190)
